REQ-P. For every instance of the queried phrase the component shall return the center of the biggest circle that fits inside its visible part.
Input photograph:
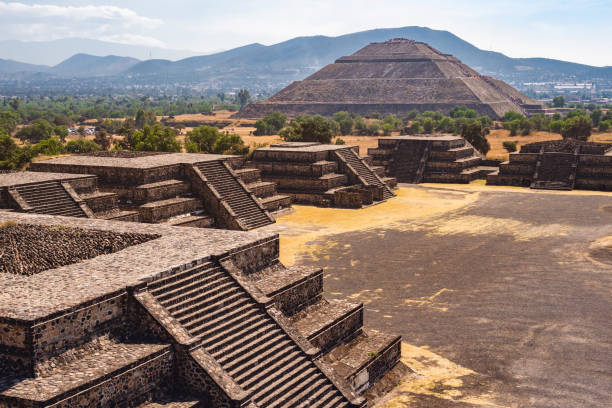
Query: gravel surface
(31, 249)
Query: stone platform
(182, 317)
(322, 174)
(558, 165)
(429, 158)
(182, 189)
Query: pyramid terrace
(179, 317)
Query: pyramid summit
(395, 76)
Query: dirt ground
(503, 295)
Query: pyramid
(395, 76)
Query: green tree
(156, 138)
(308, 129)
(39, 130)
(9, 121)
(242, 98)
(202, 139)
(555, 126)
(13, 157)
(49, 147)
(428, 125)
(15, 103)
(512, 115)
(345, 121)
(144, 118)
(81, 146)
(577, 127)
(596, 116)
(230, 144)
(476, 134)
(558, 102)
(103, 139)
(270, 124)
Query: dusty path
(503, 296)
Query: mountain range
(261, 66)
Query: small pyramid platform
(558, 165)
(427, 158)
(395, 77)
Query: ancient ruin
(195, 190)
(395, 77)
(558, 165)
(325, 175)
(427, 158)
(180, 317)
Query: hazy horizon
(567, 30)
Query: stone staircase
(50, 198)
(367, 176)
(335, 327)
(235, 194)
(265, 191)
(555, 171)
(250, 346)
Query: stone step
(235, 298)
(248, 175)
(261, 376)
(262, 188)
(179, 276)
(117, 373)
(100, 201)
(275, 202)
(174, 401)
(194, 221)
(257, 328)
(292, 288)
(161, 190)
(223, 318)
(316, 169)
(191, 282)
(157, 211)
(365, 359)
(272, 354)
(298, 183)
(328, 322)
(119, 215)
(253, 342)
(219, 337)
(185, 303)
(270, 348)
(278, 390)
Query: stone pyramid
(395, 76)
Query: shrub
(345, 121)
(82, 146)
(475, 133)
(605, 125)
(577, 127)
(270, 124)
(208, 139)
(428, 125)
(309, 129)
(340, 141)
(509, 146)
(155, 138)
(49, 147)
(555, 126)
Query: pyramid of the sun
(395, 77)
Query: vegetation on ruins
(577, 127)
(270, 124)
(510, 146)
(476, 134)
(208, 139)
(307, 128)
(155, 138)
(82, 146)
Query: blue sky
(579, 30)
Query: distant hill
(84, 65)
(257, 66)
(10, 66)
(56, 51)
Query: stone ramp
(234, 192)
(50, 198)
(409, 159)
(363, 172)
(244, 340)
(555, 171)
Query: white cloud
(41, 22)
(10, 11)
